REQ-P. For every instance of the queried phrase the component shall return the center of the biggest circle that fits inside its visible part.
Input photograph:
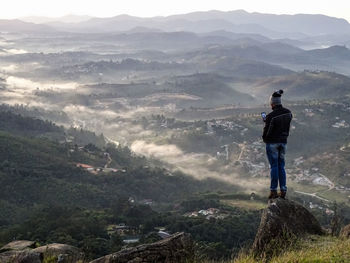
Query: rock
(24, 256)
(175, 249)
(23, 251)
(345, 232)
(62, 252)
(18, 245)
(283, 219)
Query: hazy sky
(146, 8)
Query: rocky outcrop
(345, 232)
(281, 220)
(175, 249)
(20, 251)
(16, 256)
(18, 245)
(26, 252)
(63, 253)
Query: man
(276, 132)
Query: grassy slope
(314, 249)
(323, 249)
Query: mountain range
(238, 21)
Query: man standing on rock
(276, 132)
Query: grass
(320, 250)
(50, 259)
(322, 191)
(314, 249)
(308, 188)
(334, 195)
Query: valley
(146, 129)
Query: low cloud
(16, 51)
(27, 84)
(200, 166)
(9, 69)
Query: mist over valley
(162, 115)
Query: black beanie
(275, 98)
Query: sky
(147, 8)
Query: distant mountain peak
(69, 18)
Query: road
(313, 195)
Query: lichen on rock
(280, 221)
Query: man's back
(277, 125)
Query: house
(84, 166)
(121, 229)
(209, 211)
(131, 240)
(163, 234)
(147, 202)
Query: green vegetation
(312, 250)
(45, 197)
(244, 204)
(23, 125)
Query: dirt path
(313, 195)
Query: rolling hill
(18, 26)
(294, 26)
(307, 85)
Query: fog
(29, 85)
(10, 68)
(16, 51)
(157, 90)
(200, 166)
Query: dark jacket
(277, 125)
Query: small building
(131, 240)
(84, 166)
(163, 234)
(147, 202)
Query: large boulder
(18, 245)
(20, 251)
(62, 252)
(23, 251)
(20, 256)
(175, 249)
(345, 232)
(282, 221)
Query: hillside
(333, 53)
(46, 197)
(20, 121)
(278, 53)
(319, 249)
(32, 164)
(19, 26)
(211, 88)
(41, 188)
(312, 249)
(307, 85)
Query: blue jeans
(275, 154)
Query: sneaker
(273, 194)
(282, 194)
